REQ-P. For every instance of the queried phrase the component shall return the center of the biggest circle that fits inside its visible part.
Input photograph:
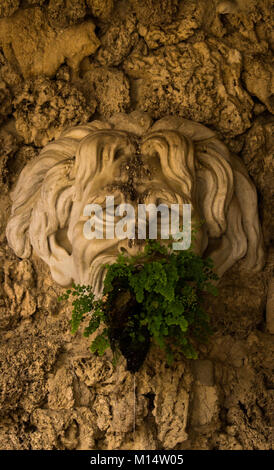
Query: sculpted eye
(161, 197)
(110, 216)
(118, 154)
(110, 209)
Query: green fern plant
(156, 296)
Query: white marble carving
(173, 161)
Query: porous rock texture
(205, 61)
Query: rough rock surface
(44, 48)
(5, 102)
(207, 61)
(257, 154)
(104, 83)
(200, 81)
(45, 107)
(100, 8)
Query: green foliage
(83, 304)
(154, 296)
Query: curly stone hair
(48, 200)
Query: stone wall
(69, 61)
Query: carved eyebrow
(100, 198)
(166, 195)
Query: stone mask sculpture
(172, 161)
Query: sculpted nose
(130, 247)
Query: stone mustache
(173, 161)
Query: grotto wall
(69, 62)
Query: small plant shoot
(154, 297)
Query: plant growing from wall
(154, 297)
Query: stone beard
(173, 161)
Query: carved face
(173, 161)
